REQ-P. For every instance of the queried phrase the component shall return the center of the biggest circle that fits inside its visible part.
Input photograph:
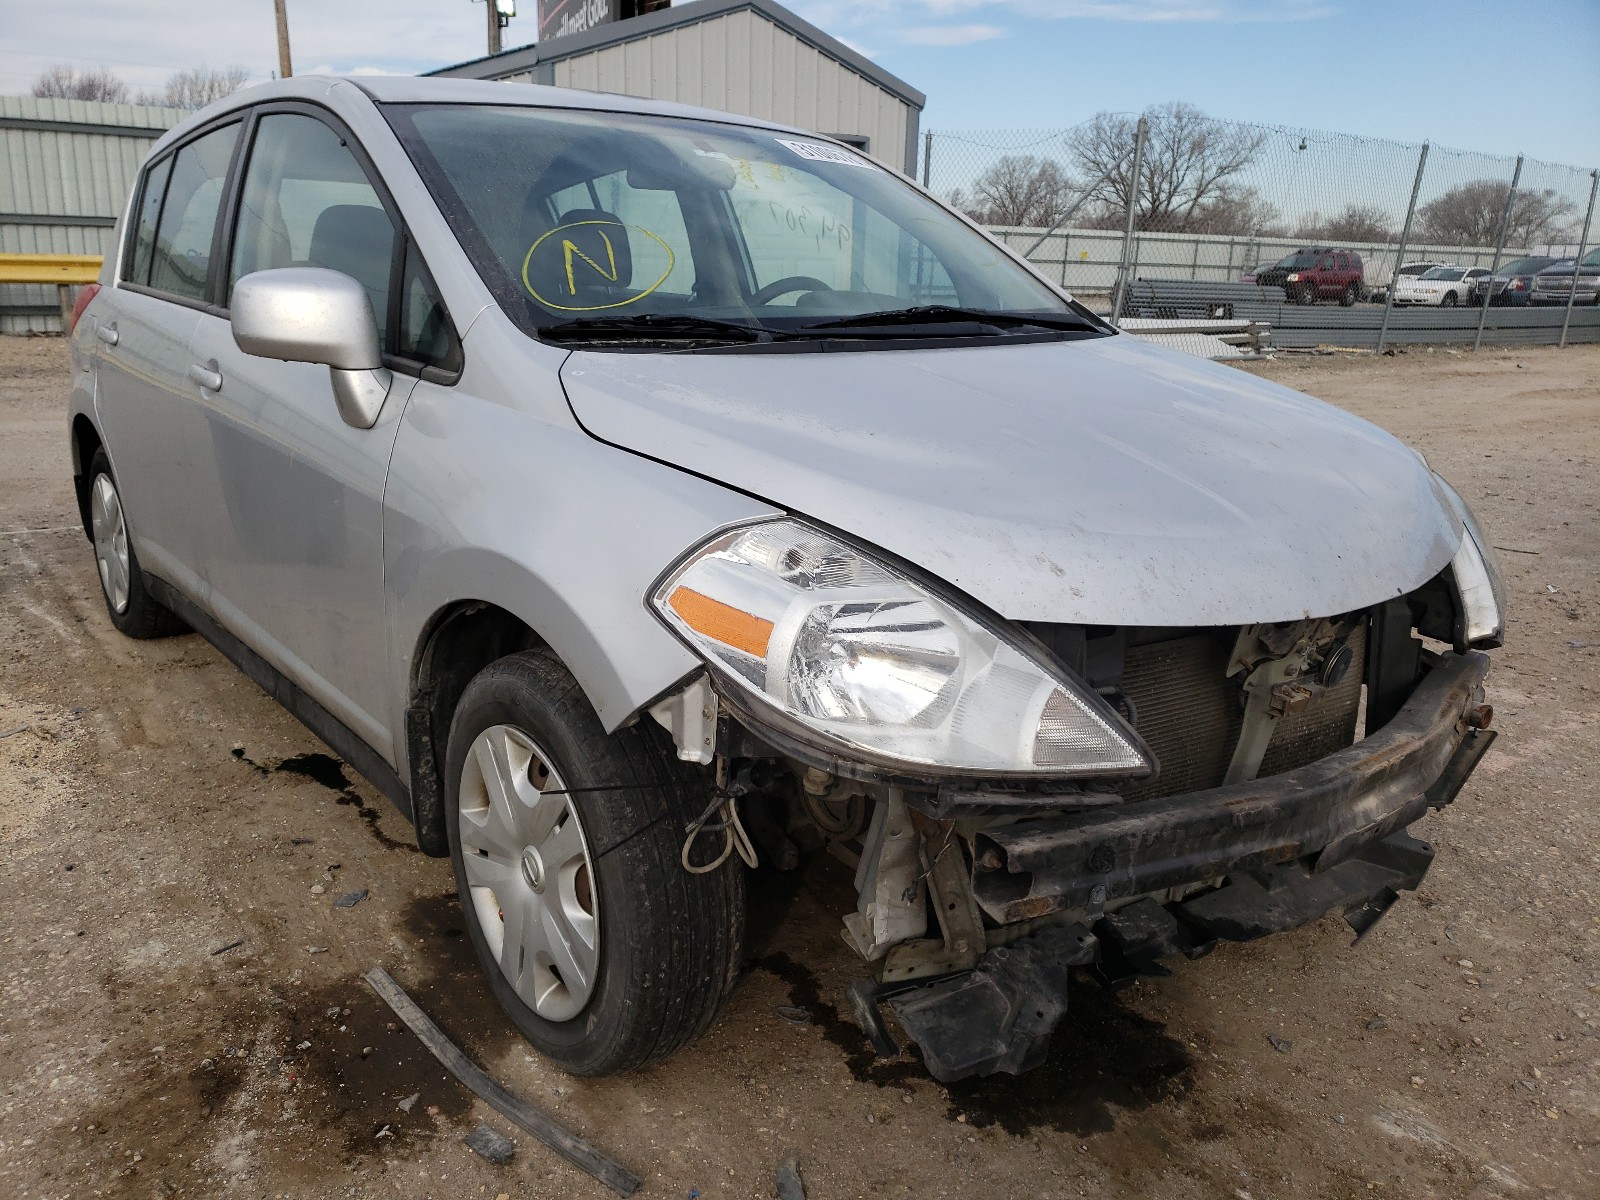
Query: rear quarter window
(143, 241)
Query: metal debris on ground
(1281, 1045)
(790, 1185)
(350, 899)
(229, 946)
(488, 1142)
(14, 732)
(515, 1109)
(793, 1015)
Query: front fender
(492, 503)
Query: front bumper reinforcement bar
(1329, 809)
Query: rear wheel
(131, 607)
(601, 948)
(1350, 295)
(1448, 300)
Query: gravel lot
(184, 1015)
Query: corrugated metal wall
(65, 170)
(743, 63)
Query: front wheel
(601, 948)
(1308, 293)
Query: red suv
(1315, 273)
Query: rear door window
(180, 260)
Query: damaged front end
(1286, 764)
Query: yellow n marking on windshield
(570, 248)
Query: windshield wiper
(654, 327)
(944, 314)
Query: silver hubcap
(110, 542)
(529, 875)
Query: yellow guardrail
(49, 268)
(66, 271)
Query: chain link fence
(1412, 242)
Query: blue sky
(1458, 71)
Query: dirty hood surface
(1101, 482)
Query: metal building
(65, 170)
(752, 57)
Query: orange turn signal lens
(722, 622)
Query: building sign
(561, 18)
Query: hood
(1101, 482)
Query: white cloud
(145, 41)
(951, 35)
(833, 14)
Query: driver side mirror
(313, 315)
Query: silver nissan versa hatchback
(635, 492)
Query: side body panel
(289, 509)
(143, 394)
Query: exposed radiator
(1190, 713)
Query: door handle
(209, 378)
(107, 334)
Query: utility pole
(285, 68)
(494, 25)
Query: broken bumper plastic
(1325, 812)
(1286, 850)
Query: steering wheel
(789, 283)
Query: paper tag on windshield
(819, 152)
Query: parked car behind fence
(1315, 273)
(1512, 283)
(1554, 285)
(1446, 287)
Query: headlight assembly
(845, 653)
(1479, 594)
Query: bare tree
(1019, 189)
(1236, 210)
(1469, 215)
(66, 82)
(1355, 223)
(1189, 159)
(196, 87)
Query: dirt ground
(183, 1011)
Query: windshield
(1526, 266)
(1591, 259)
(577, 216)
(1446, 273)
(1298, 262)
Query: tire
(1350, 295)
(1307, 294)
(1448, 300)
(133, 610)
(631, 956)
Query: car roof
(410, 89)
